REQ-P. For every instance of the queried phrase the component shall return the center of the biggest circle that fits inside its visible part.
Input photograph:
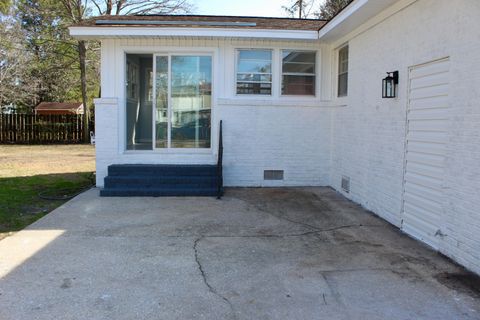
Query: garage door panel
(425, 217)
(427, 191)
(427, 136)
(429, 92)
(427, 148)
(428, 114)
(425, 181)
(429, 70)
(440, 102)
(424, 169)
(428, 81)
(421, 230)
(433, 208)
(428, 125)
(425, 158)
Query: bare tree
(79, 10)
(127, 7)
(330, 8)
(17, 86)
(299, 8)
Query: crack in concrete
(205, 280)
(286, 235)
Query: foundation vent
(346, 184)
(273, 175)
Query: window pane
(298, 85)
(343, 85)
(343, 71)
(298, 62)
(161, 124)
(298, 68)
(254, 88)
(254, 71)
(254, 77)
(254, 66)
(191, 85)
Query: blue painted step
(161, 170)
(158, 192)
(151, 181)
(147, 180)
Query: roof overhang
(353, 16)
(103, 32)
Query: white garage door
(427, 125)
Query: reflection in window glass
(161, 92)
(254, 71)
(191, 92)
(298, 72)
(138, 102)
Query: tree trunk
(82, 52)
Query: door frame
(121, 55)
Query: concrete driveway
(257, 254)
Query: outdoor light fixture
(389, 86)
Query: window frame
(314, 74)
(337, 78)
(272, 72)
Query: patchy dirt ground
(292, 253)
(22, 161)
(29, 171)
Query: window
(343, 71)
(298, 72)
(132, 80)
(254, 71)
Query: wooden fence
(40, 129)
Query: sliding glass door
(183, 95)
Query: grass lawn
(51, 170)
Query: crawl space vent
(346, 184)
(273, 175)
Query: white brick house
(304, 98)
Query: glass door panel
(161, 102)
(191, 92)
(138, 108)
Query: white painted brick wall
(369, 134)
(364, 140)
(292, 137)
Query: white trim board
(125, 32)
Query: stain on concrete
(465, 282)
(67, 283)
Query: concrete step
(159, 192)
(161, 170)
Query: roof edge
(85, 32)
(356, 14)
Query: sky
(265, 8)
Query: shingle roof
(201, 21)
(58, 106)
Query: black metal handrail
(220, 162)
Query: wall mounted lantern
(389, 85)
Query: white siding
(369, 135)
